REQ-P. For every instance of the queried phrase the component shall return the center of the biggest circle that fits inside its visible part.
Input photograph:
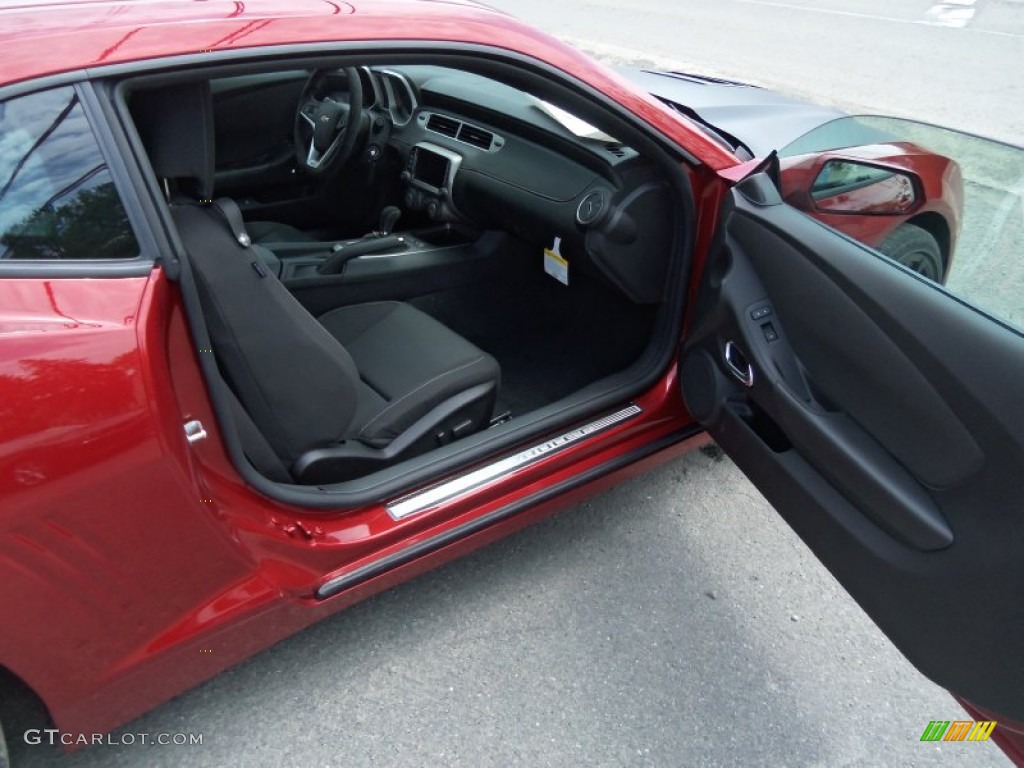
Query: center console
(364, 256)
(429, 178)
(430, 175)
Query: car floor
(549, 339)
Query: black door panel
(884, 419)
(254, 122)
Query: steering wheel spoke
(308, 112)
(315, 158)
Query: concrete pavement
(861, 55)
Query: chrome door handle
(738, 364)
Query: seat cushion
(408, 364)
(275, 232)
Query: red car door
(883, 418)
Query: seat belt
(232, 214)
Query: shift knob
(388, 218)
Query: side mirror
(853, 187)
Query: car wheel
(916, 249)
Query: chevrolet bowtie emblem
(325, 118)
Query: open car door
(884, 419)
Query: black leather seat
(359, 388)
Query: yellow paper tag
(555, 264)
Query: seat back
(296, 381)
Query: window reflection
(57, 198)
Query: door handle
(738, 364)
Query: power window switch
(770, 334)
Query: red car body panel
(1008, 734)
(93, 575)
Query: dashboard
(477, 151)
(468, 139)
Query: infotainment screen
(431, 168)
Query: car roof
(38, 39)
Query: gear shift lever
(375, 242)
(388, 218)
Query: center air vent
(443, 125)
(476, 136)
(460, 131)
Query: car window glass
(57, 197)
(836, 134)
(987, 264)
(945, 204)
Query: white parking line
(952, 4)
(829, 11)
(951, 13)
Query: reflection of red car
(904, 200)
(236, 396)
(849, 172)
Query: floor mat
(549, 339)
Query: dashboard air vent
(443, 125)
(476, 136)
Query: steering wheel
(327, 131)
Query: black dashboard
(479, 151)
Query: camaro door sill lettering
(421, 549)
(431, 498)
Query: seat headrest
(176, 126)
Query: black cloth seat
(362, 387)
(407, 361)
(263, 232)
